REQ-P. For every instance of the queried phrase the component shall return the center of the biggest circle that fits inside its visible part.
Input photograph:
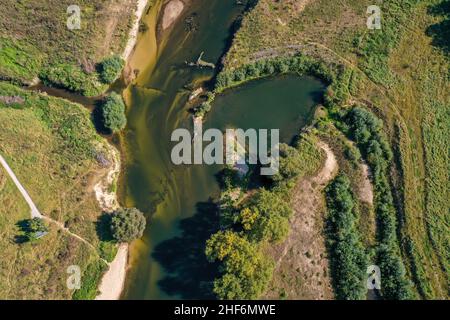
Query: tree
(113, 113)
(127, 224)
(266, 218)
(245, 271)
(273, 228)
(110, 68)
(248, 217)
(290, 164)
(34, 227)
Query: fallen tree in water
(201, 63)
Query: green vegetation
(366, 130)
(271, 215)
(19, 60)
(245, 271)
(34, 227)
(90, 279)
(375, 47)
(127, 224)
(72, 78)
(56, 157)
(348, 258)
(110, 68)
(29, 50)
(247, 226)
(297, 64)
(401, 74)
(113, 113)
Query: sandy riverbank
(113, 280)
(132, 38)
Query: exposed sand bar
(171, 12)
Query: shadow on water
(440, 32)
(189, 274)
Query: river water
(169, 262)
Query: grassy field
(55, 152)
(401, 74)
(35, 39)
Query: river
(169, 262)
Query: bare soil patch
(301, 270)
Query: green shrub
(202, 109)
(290, 164)
(113, 113)
(348, 259)
(127, 224)
(90, 281)
(108, 250)
(366, 130)
(297, 64)
(72, 78)
(110, 68)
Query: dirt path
(365, 190)
(34, 210)
(301, 263)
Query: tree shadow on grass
(440, 32)
(24, 228)
(103, 227)
(97, 118)
(190, 275)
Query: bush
(127, 225)
(298, 64)
(113, 113)
(290, 164)
(91, 278)
(72, 78)
(202, 109)
(366, 130)
(348, 258)
(110, 69)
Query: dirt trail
(365, 189)
(301, 263)
(34, 210)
